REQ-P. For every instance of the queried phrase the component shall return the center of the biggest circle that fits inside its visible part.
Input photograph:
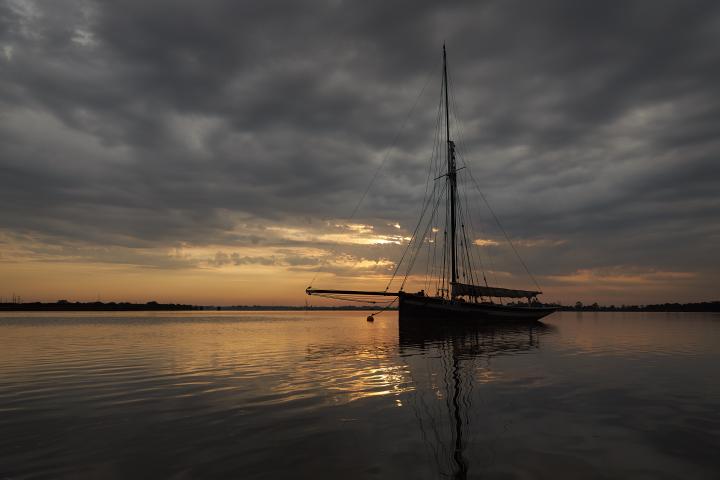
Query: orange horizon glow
(330, 255)
(276, 285)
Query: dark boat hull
(421, 308)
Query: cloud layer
(144, 127)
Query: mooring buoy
(371, 318)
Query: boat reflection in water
(455, 360)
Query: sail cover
(459, 289)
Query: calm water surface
(329, 395)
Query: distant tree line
(64, 305)
(662, 307)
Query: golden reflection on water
(273, 360)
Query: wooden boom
(311, 291)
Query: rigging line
(462, 264)
(356, 296)
(435, 150)
(490, 259)
(414, 257)
(476, 250)
(445, 247)
(459, 131)
(384, 309)
(450, 242)
(430, 268)
(465, 217)
(429, 75)
(437, 168)
(431, 222)
(490, 270)
(436, 147)
(346, 299)
(435, 157)
(410, 243)
(463, 213)
(392, 145)
(433, 166)
(426, 283)
(439, 265)
(434, 256)
(350, 298)
(419, 240)
(467, 255)
(470, 249)
(431, 262)
(427, 200)
(439, 269)
(441, 277)
(507, 237)
(462, 155)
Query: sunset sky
(215, 152)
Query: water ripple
(275, 395)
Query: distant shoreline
(65, 306)
(705, 307)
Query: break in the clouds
(244, 133)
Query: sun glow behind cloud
(357, 234)
(272, 269)
(274, 265)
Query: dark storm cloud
(141, 123)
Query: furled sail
(461, 289)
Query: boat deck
(420, 307)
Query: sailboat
(458, 294)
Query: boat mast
(452, 176)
